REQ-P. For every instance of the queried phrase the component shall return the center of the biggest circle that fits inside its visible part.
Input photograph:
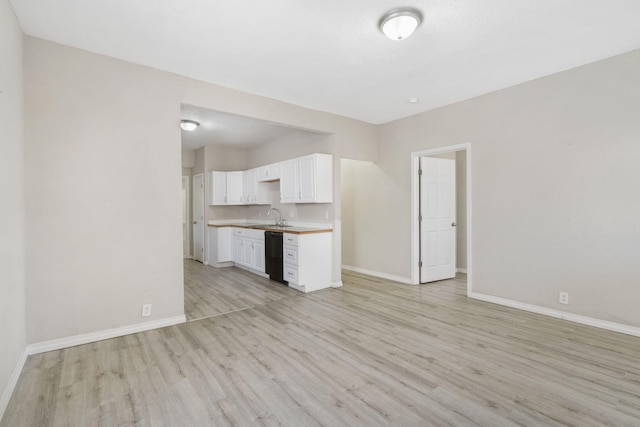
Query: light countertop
(270, 227)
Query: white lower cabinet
(307, 261)
(258, 255)
(306, 257)
(219, 245)
(248, 248)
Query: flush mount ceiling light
(189, 125)
(398, 24)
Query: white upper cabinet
(225, 188)
(250, 185)
(255, 192)
(269, 172)
(289, 181)
(307, 179)
(235, 188)
(217, 188)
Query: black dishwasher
(273, 255)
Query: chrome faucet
(280, 221)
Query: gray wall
(103, 187)
(103, 184)
(12, 228)
(554, 189)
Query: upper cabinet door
(307, 179)
(249, 186)
(217, 188)
(289, 192)
(234, 188)
(322, 178)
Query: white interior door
(198, 217)
(437, 219)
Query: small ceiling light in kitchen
(189, 125)
(398, 24)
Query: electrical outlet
(146, 310)
(563, 298)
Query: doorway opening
(462, 219)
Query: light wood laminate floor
(210, 291)
(372, 353)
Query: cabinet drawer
(290, 239)
(291, 273)
(290, 254)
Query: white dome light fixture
(398, 24)
(189, 125)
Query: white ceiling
(330, 56)
(220, 128)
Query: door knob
(453, 224)
(195, 222)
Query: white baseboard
(13, 381)
(74, 340)
(221, 264)
(311, 288)
(337, 284)
(378, 274)
(461, 270)
(585, 320)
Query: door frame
(415, 209)
(204, 243)
(186, 180)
